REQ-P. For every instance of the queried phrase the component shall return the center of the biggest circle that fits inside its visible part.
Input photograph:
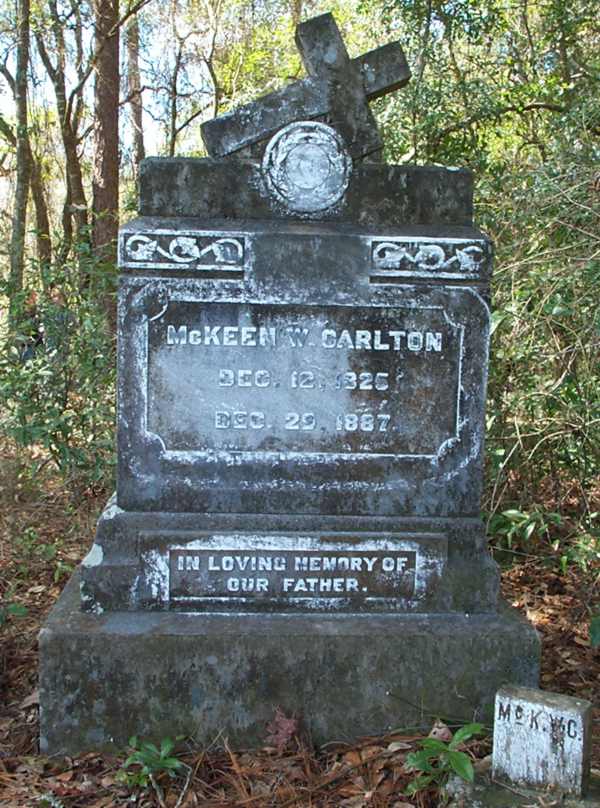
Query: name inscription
(254, 377)
(538, 719)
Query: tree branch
(93, 60)
(188, 120)
(497, 113)
(6, 131)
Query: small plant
(49, 801)
(516, 528)
(595, 630)
(437, 760)
(146, 761)
(11, 610)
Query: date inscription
(329, 379)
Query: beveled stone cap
(377, 195)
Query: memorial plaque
(302, 362)
(304, 378)
(332, 571)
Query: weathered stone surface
(485, 793)
(302, 362)
(131, 563)
(104, 678)
(377, 195)
(372, 345)
(338, 89)
(306, 167)
(323, 52)
(542, 739)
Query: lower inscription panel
(331, 571)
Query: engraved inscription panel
(331, 570)
(234, 574)
(315, 379)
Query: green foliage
(146, 761)
(57, 373)
(9, 610)
(437, 760)
(514, 95)
(595, 631)
(49, 801)
(513, 528)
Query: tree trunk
(76, 193)
(105, 182)
(19, 219)
(42, 222)
(296, 11)
(135, 93)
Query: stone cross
(337, 88)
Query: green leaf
(16, 609)
(418, 784)
(464, 733)
(434, 745)
(419, 761)
(514, 515)
(166, 747)
(171, 763)
(595, 631)
(461, 764)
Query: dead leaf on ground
(441, 732)
(32, 700)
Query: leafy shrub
(57, 375)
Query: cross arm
(383, 69)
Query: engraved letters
(297, 573)
(305, 379)
(296, 337)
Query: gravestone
(542, 740)
(303, 347)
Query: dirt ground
(42, 538)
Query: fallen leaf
(354, 802)
(352, 758)
(398, 746)
(31, 700)
(441, 732)
(282, 730)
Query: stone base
(106, 677)
(485, 793)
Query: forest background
(509, 88)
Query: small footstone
(542, 740)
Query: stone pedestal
(156, 674)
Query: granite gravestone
(303, 342)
